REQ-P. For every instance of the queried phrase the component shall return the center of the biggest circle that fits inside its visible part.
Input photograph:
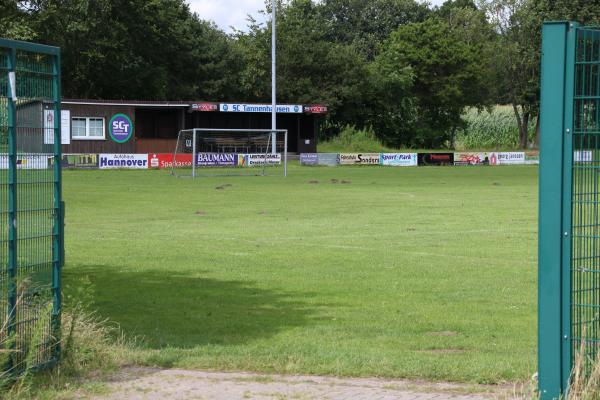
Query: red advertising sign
(470, 158)
(204, 107)
(165, 160)
(315, 109)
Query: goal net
(230, 152)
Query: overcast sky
(227, 13)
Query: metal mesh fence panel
(31, 221)
(4, 214)
(585, 199)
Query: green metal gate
(31, 211)
(569, 227)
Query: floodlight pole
(273, 79)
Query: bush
(90, 347)
(353, 140)
(22, 347)
(585, 376)
(490, 130)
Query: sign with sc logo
(120, 128)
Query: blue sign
(261, 108)
(216, 159)
(309, 158)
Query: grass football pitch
(425, 272)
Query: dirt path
(154, 384)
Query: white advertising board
(29, 161)
(261, 108)
(399, 159)
(127, 161)
(507, 158)
(253, 160)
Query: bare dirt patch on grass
(441, 333)
(443, 351)
(151, 383)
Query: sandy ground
(154, 384)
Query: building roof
(135, 103)
(205, 106)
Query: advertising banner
(33, 161)
(507, 158)
(360, 158)
(309, 158)
(216, 160)
(261, 108)
(435, 159)
(328, 159)
(165, 160)
(129, 161)
(315, 109)
(80, 161)
(532, 157)
(471, 158)
(582, 156)
(399, 159)
(253, 160)
(204, 107)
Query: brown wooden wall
(155, 145)
(301, 127)
(100, 146)
(156, 128)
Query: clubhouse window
(87, 128)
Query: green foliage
(353, 140)
(447, 77)
(407, 70)
(450, 6)
(13, 23)
(366, 24)
(310, 68)
(490, 129)
(92, 348)
(518, 48)
(135, 49)
(21, 349)
(584, 382)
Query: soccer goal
(230, 152)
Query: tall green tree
(470, 24)
(366, 24)
(446, 9)
(310, 67)
(13, 20)
(517, 59)
(518, 46)
(447, 77)
(145, 49)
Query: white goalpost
(230, 152)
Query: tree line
(405, 69)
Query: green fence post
(553, 292)
(58, 239)
(567, 194)
(12, 200)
